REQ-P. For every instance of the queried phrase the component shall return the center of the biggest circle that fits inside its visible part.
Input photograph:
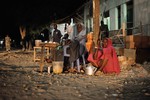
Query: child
(7, 43)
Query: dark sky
(28, 12)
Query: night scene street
(75, 50)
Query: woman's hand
(98, 42)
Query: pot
(90, 70)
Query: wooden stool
(35, 53)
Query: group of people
(74, 38)
(103, 57)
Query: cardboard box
(137, 41)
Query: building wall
(142, 16)
(113, 3)
(111, 6)
(113, 19)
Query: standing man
(56, 34)
(23, 34)
(28, 41)
(41, 37)
(104, 29)
(7, 43)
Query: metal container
(90, 70)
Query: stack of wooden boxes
(136, 50)
(137, 47)
(137, 41)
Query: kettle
(90, 70)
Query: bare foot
(72, 70)
(97, 73)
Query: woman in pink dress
(109, 53)
(106, 59)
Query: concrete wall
(141, 10)
(113, 3)
(113, 19)
(111, 6)
(142, 15)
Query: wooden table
(51, 46)
(35, 58)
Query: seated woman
(105, 59)
(77, 47)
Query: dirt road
(20, 80)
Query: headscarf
(114, 56)
(89, 42)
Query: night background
(27, 66)
(33, 13)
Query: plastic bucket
(57, 67)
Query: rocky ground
(20, 80)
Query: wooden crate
(137, 41)
(133, 38)
(140, 55)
